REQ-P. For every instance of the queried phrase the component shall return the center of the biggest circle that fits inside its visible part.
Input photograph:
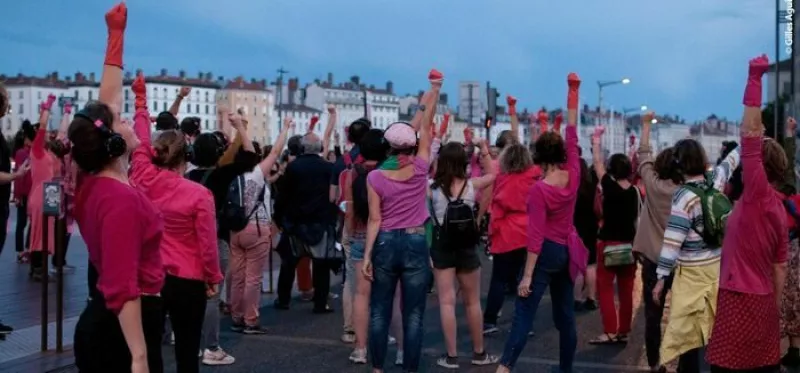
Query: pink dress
(44, 166)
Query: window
(164, 105)
(206, 106)
(126, 95)
(21, 95)
(21, 109)
(90, 96)
(188, 108)
(155, 92)
(787, 88)
(206, 109)
(165, 93)
(206, 123)
(39, 95)
(126, 107)
(155, 106)
(197, 108)
(77, 96)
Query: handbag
(618, 255)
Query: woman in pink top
(189, 245)
(395, 243)
(120, 330)
(746, 334)
(555, 254)
(44, 166)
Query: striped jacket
(683, 240)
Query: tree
(768, 117)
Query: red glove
(598, 132)
(116, 20)
(467, 136)
(47, 104)
(140, 91)
(632, 139)
(313, 123)
(543, 117)
(67, 108)
(752, 92)
(512, 105)
(574, 83)
(435, 76)
(444, 124)
(558, 121)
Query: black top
(585, 219)
(620, 211)
(304, 191)
(340, 166)
(220, 179)
(5, 166)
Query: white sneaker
(399, 359)
(392, 340)
(359, 356)
(218, 357)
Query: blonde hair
(774, 160)
(170, 149)
(515, 158)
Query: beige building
(256, 101)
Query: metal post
(366, 114)
(599, 104)
(51, 209)
(281, 71)
(45, 279)
(60, 252)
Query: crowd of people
(179, 225)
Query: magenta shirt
(551, 208)
(755, 236)
(189, 244)
(402, 202)
(122, 231)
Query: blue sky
(684, 57)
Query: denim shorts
(357, 247)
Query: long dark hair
(588, 185)
(373, 147)
(451, 165)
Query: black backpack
(459, 228)
(233, 213)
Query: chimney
(127, 75)
(316, 81)
(390, 86)
(221, 78)
(163, 73)
(371, 87)
(355, 79)
(292, 89)
(252, 80)
(330, 78)
(67, 78)
(79, 77)
(443, 98)
(55, 75)
(91, 77)
(263, 83)
(209, 76)
(182, 74)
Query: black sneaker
(578, 305)
(449, 362)
(254, 330)
(325, 310)
(5, 329)
(490, 329)
(280, 306)
(483, 358)
(792, 358)
(237, 327)
(590, 305)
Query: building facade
(25, 93)
(256, 101)
(382, 105)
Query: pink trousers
(249, 251)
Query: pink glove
(67, 108)
(140, 92)
(574, 83)
(435, 76)
(443, 126)
(752, 92)
(598, 133)
(312, 123)
(543, 117)
(557, 123)
(48, 104)
(116, 21)
(632, 139)
(512, 105)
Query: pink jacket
(189, 242)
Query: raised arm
(542, 117)
(646, 168)
(66, 116)
(141, 119)
(176, 105)
(435, 78)
(443, 126)
(111, 80)
(557, 122)
(269, 161)
(37, 149)
(512, 112)
(753, 174)
(573, 159)
(326, 136)
(489, 173)
(597, 152)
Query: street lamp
(602, 84)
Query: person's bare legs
(590, 280)
(470, 283)
(580, 290)
(446, 292)
(361, 307)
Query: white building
(408, 105)
(25, 93)
(471, 101)
(257, 103)
(382, 109)
(301, 115)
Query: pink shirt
(755, 236)
(402, 202)
(122, 231)
(22, 186)
(189, 245)
(551, 208)
(508, 224)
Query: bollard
(60, 252)
(51, 209)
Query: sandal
(605, 339)
(622, 338)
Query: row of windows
(360, 95)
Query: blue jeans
(551, 269)
(399, 255)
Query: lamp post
(602, 84)
(281, 71)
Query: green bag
(716, 208)
(618, 255)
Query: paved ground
(298, 341)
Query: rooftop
(50, 80)
(296, 107)
(355, 84)
(242, 84)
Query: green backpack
(716, 208)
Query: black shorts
(463, 260)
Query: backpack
(233, 212)
(459, 228)
(716, 208)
